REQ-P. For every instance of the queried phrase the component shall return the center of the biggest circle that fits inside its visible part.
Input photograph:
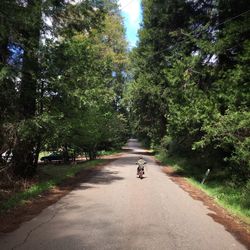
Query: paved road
(116, 210)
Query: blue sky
(131, 12)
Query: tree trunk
(65, 154)
(24, 160)
(92, 153)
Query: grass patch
(48, 177)
(233, 198)
(109, 152)
(228, 197)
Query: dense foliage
(62, 76)
(189, 91)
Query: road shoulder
(239, 229)
(13, 218)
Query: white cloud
(132, 9)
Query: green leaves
(88, 90)
(65, 90)
(190, 80)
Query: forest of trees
(62, 74)
(190, 91)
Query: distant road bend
(116, 210)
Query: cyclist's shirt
(141, 162)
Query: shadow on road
(105, 177)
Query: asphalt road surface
(116, 210)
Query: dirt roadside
(16, 216)
(239, 229)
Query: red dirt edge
(239, 229)
(12, 219)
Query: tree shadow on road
(97, 175)
(104, 177)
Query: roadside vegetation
(219, 184)
(109, 152)
(62, 76)
(47, 177)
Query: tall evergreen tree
(66, 66)
(188, 74)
